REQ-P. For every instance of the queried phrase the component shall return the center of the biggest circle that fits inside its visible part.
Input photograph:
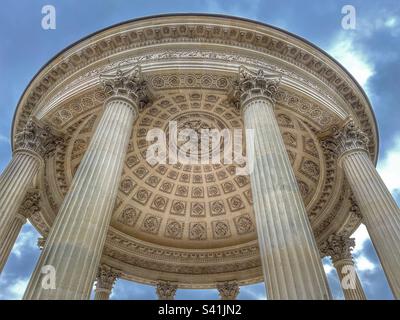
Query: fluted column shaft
(381, 215)
(8, 242)
(339, 248)
(102, 294)
(76, 240)
(28, 206)
(34, 143)
(290, 259)
(349, 281)
(14, 182)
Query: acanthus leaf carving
(349, 137)
(250, 85)
(338, 247)
(228, 290)
(37, 139)
(166, 290)
(106, 277)
(127, 83)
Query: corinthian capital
(337, 247)
(166, 290)
(228, 290)
(38, 139)
(251, 85)
(349, 137)
(106, 277)
(127, 83)
(30, 204)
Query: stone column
(289, 255)
(166, 290)
(31, 145)
(380, 213)
(105, 280)
(339, 249)
(228, 290)
(75, 242)
(30, 205)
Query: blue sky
(370, 53)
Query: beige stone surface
(14, 183)
(105, 280)
(289, 255)
(166, 290)
(381, 215)
(192, 226)
(228, 290)
(76, 241)
(338, 248)
(9, 241)
(342, 266)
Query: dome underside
(194, 224)
(198, 214)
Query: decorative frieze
(30, 204)
(354, 208)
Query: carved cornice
(228, 290)
(30, 204)
(165, 30)
(337, 247)
(128, 84)
(183, 268)
(37, 139)
(184, 256)
(354, 208)
(254, 85)
(65, 114)
(352, 217)
(106, 277)
(166, 290)
(325, 224)
(348, 138)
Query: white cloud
(389, 167)
(14, 289)
(254, 292)
(17, 289)
(26, 240)
(249, 10)
(381, 21)
(4, 139)
(364, 264)
(344, 50)
(391, 22)
(361, 236)
(328, 268)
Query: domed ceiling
(193, 206)
(194, 224)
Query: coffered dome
(194, 224)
